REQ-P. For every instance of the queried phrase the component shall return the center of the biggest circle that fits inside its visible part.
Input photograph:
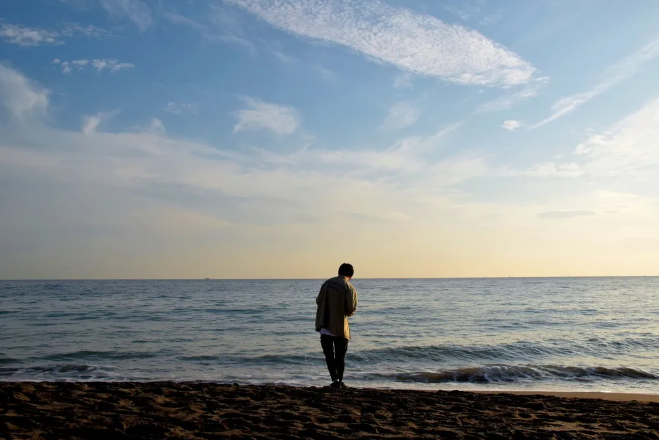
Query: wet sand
(623, 397)
(212, 411)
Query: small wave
(261, 361)
(272, 360)
(278, 360)
(510, 353)
(55, 371)
(514, 351)
(5, 371)
(65, 368)
(240, 310)
(445, 353)
(515, 373)
(90, 354)
(201, 358)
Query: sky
(280, 138)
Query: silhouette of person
(336, 301)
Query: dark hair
(346, 270)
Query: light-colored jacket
(337, 300)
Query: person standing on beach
(336, 301)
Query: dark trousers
(335, 349)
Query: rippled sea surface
(514, 333)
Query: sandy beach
(212, 411)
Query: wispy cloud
(19, 96)
(157, 126)
(403, 80)
(180, 108)
(225, 27)
(31, 36)
(184, 21)
(492, 18)
(407, 155)
(512, 125)
(465, 11)
(401, 115)
(283, 58)
(553, 170)
(629, 146)
(410, 41)
(27, 36)
(111, 65)
(325, 73)
(233, 39)
(260, 115)
(136, 11)
(565, 214)
(510, 100)
(92, 122)
(617, 73)
(90, 31)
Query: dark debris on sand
(161, 410)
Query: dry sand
(211, 411)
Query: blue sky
(278, 138)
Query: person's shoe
(335, 384)
(342, 385)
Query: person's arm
(321, 293)
(351, 300)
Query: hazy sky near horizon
(280, 138)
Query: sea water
(596, 334)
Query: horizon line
(316, 279)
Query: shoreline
(604, 395)
(191, 410)
(617, 396)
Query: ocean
(591, 334)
